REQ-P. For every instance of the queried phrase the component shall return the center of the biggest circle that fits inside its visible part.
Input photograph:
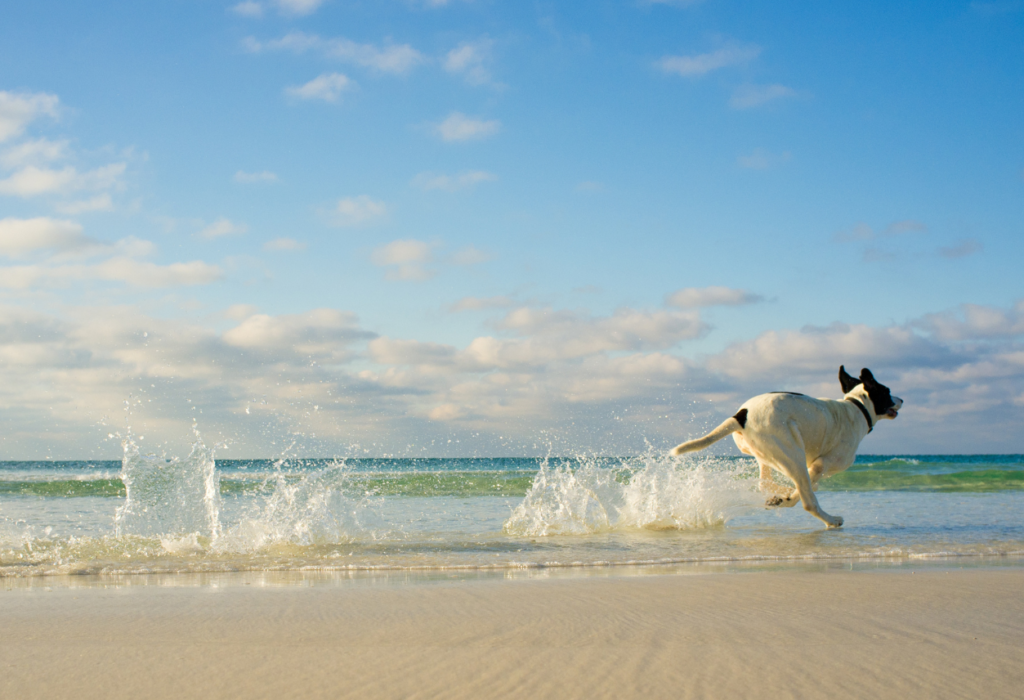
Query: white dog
(805, 438)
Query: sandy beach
(871, 634)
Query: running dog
(804, 438)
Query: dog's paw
(836, 523)
(775, 502)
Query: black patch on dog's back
(741, 417)
(791, 393)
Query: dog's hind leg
(790, 459)
(766, 484)
(791, 497)
(781, 496)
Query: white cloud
(452, 183)
(222, 227)
(480, 304)
(32, 162)
(405, 259)
(699, 297)
(356, 211)
(132, 247)
(79, 372)
(555, 377)
(819, 351)
(327, 87)
(749, 96)
(255, 177)
(389, 351)
(470, 255)
(32, 181)
(578, 334)
(18, 110)
(60, 239)
(469, 59)
(974, 322)
(294, 41)
(298, 7)
(248, 9)
(441, 3)
(135, 273)
(34, 152)
(284, 244)
(702, 64)
(545, 336)
(322, 333)
(240, 312)
(19, 237)
(139, 273)
(391, 58)
(388, 58)
(459, 127)
(101, 202)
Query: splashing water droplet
(650, 493)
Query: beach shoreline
(878, 633)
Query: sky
(476, 227)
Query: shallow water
(196, 514)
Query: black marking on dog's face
(879, 394)
(741, 417)
(846, 381)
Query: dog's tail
(730, 426)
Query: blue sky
(474, 227)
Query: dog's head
(882, 401)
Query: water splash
(320, 508)
(169, 496)
(652, 492)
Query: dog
(804, 438)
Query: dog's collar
(867, 416)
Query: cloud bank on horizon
(456, 228)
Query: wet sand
(872, 634)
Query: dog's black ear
(867, 377)
(846, 381)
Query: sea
(197, 514)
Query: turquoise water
(509, 476)
(150, 514)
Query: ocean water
(155, 514)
